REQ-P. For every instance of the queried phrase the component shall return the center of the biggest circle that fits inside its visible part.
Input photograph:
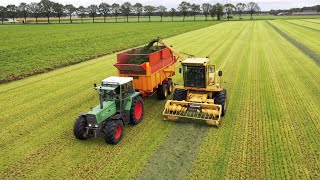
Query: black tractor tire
(221, 98)
(79, 128)
(137, 110)
(170, 86)
(180, 95)
(113, 131)
(162, 91)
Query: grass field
(28, 50)
(271, 130)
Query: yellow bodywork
(199, 102)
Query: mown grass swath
(271, 129)
(36, 49)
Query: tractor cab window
(194, 76)
(130, 87)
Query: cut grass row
(28, 50)
(306, 23)
(307, 37)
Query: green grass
(271, 130)
(308, 37)
(28, 50)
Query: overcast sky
(264, 4)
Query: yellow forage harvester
(201, 97)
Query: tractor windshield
(194, 76)
(111, 92)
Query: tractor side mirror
(95, 85)
(220, 73)
(180, 70)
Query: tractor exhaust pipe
(101, 100)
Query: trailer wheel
(79, 128)
(162, 91)
(113, 131)
(221, 98)
(179, 94)
(137, 110)
(170, 86)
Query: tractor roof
(195, 61)
(117, 80)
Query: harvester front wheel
(113, 131)
(79, 128)
(170, 86)
(137, 110)
(221, 99)
(162, 91)
(180, 95)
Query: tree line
(48, 9)
(292, 10)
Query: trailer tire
(221, 99)
(137, 110)
(113, 131)
(79, 128)
(170, 86)
(179, 95)
(162, 91)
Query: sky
(265, 5)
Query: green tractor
(119, 104)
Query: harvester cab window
(211, 70)
(194, 76)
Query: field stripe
(312, 54)
(302, 25)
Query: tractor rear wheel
(180, 95)
(162, 91)
(113, 131)
(137, 110)
(221, 99)
(170, 86)
(79, 128)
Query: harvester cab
(119, 104)
(201, 97)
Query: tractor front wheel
(113, 131)
(162, 91)
(79, 128)
(137, 110)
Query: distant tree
(240, 7)
(195, 9)
(126, 8)
(138, 9)
(150, 10)
(35, 10)
(213, 11)
(81, 12)
(172, 13)
(115, 9)
(58, 10)
(206, 7)
(161, 10)
(252, 8)
(92, 10)
(46, 7)
(184, 8)
(3, 12)
(24, 10)
(229, 8)
(12, 11)
(104, 9)
(70, 9)
(219, 8)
